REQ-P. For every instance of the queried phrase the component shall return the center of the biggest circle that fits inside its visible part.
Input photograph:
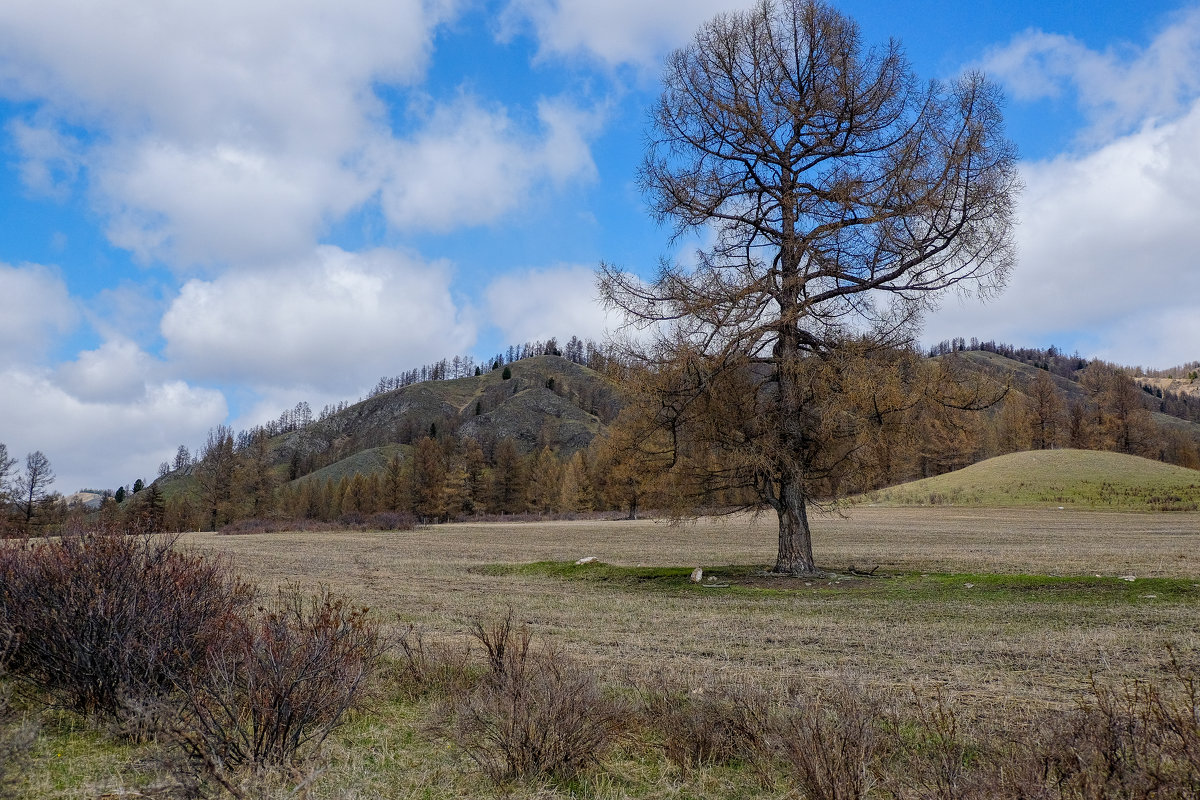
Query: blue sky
(215, 210)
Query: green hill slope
(1053, 478)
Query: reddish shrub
(103, 621)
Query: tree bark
(795, 538)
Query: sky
(212, 211)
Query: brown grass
(989, 655)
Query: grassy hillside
(368, 461)
(1067, 478)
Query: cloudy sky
(214, 210)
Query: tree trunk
(795, 539)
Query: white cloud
(50, 159)
(34, 307)
(221, 131)
(470, 165)
(221, 203)
(115, 372)
(1119, 88)
(1107, 244)
(617, 32)
(334, 321)
(98, 441)
(537, 304)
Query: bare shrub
(101, 621)
(935, 757)
(534, 714)
(432, 669)
(280, 684)
(1138, 740)
(832, 743)
(716, 725)
(16, 737)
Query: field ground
(933, 614)
(993, 647)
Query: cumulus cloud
(1118, 88)
(116, 429)
(1107, 243)
(537, 304)
(219, 132)
(470, 164)
(221, 203)
(617, 32)
(35, 306)
(331, 322)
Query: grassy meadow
(1004, 612)
(1050, 478)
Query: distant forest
(432, 473)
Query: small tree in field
(842, 197)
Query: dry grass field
(946, 609)
(1006, 648)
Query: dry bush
(1138, 740)
(722, 725)
(281, 683)
(832, 743)
(935, 758)
(16, 738)
(102, 622)
(534, 714)
(432, 669)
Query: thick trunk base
(795, 538)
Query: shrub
(434, 669)
(534, 714)
(103, 623)
(1139, 740)
(16, 738)
(831, 743)
(711, 726)
(279, 685)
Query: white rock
(587, 560)
(697, 575)
(1130, 578)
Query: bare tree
(215, 471)
(842, 198)
(6, 465)
(32, 488)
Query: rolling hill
(1054, 478)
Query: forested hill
(532, 435)
(543, 401)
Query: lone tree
(33, 488)
(842, 197)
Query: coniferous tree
(508, 479)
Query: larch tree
(841, 198)
(33, 487)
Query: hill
(1055, 478)
(547, 401)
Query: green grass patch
(907, 586)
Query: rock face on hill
(547, 401)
